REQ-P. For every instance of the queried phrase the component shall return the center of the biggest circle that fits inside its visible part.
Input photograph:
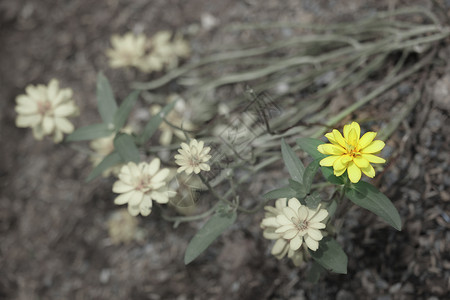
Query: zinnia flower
(297, 223)
(103, 147)
(193, 157)
(45, 109)
(281, 246)
(140, 184)
(351, 153)
(128, 50)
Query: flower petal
(146, 206)
(289, 213)
(374, 147)
(122, 199)
(311, 243)
(366, 139)
(135, 198)
(120, 187)
(296, 243)
(315, 234)
(290, 234)
(278, 247)
(329, 160)
(294, 204)
(319, 216)
(374, 159)
(303, 213)
(153, 167)
(361, 162)
(64, 125)
(369, 171)
(339, 138)
(331, 149)
(354, 173)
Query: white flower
(45, 109)
(298, 223)
(193, 157)
(128, 50)
(281, 246)
(140, 184)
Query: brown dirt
(53, 226)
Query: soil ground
(54, 241)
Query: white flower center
(301, 225)
(44, 107)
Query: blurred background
(62, 238)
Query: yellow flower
(351, 153)
(140, 184)
(45, 109)
(193, 157)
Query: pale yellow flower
(193, 157)
(140, 185)
(351, 153)
(45, 109)
(175, 117)
(297, 224)
(123, 228)
(103, 147)
(128, 50)
(281, 246)
(164, 52)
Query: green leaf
(369, 197)
(331, 208)
(309, 145)
(90, 132)
(292, 162)
(330, 256)
(298, 188)
(217, 224)
(313, 200)
(154, 123)
(314, 272)
(106, 102)
(124, 110)
(126, 147)
(309, 174)
(111, 160)
(284, 192)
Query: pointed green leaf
(313, 200)
(90, 132)
(292, 162)
(330, 256)
(309, 145)
(331, 208)
(299, 189)
(126, 147)
(309, 174)
(106, 102)
(369, 197)
(217, 224)
(124, 110)
(113, 159)
(314, 272)
(154, 123)
(284, 192)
